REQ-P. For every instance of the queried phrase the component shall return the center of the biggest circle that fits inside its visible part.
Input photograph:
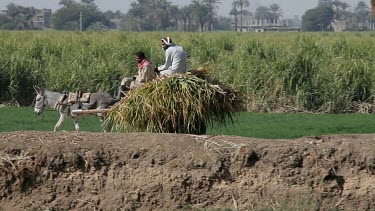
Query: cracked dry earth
(145, 171)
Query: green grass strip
(257, 125)
(290, 126)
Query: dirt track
(144, 171)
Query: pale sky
(289, 7)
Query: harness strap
(60, 103)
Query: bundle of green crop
(176, 104)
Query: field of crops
(320, 72)
(297, 77)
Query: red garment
(144, 63)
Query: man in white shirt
(175, 58)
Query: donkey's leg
(61, 120)
(102, 116)
(75, 121)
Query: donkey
(100, 100)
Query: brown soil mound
(144, 171)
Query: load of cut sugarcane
(176, 104)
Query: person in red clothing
(145, 74)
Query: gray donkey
(100, 100)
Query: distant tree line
(143, 15)
(320, 17)
(153, 15)
(17, 17)
(199, 15)
(271, 13)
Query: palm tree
(235, 13)
(362, 7)
(362, 12)
(339, 8)
(13, 12)
(276, 11)
(262, 12)
(174, 14)
(66, 3)
(166, 7)
(21, 16)
(152, 14)
(88, 1)
(211, 9)
(327, 3)
(156, 13)
(241, 4)
(200, 12)
(29, 14)
(185, 15)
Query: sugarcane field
(264, 115)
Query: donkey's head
(39, 100)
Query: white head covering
(167, 41)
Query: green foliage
(223, 23)
(277, 72)
(148, 15)
(17, 17)
(290, 126)
(5, 22)
(62, 62)
(179, 103)
(317, 19)
(262, 12)
(68, 17)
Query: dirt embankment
(143, 171)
